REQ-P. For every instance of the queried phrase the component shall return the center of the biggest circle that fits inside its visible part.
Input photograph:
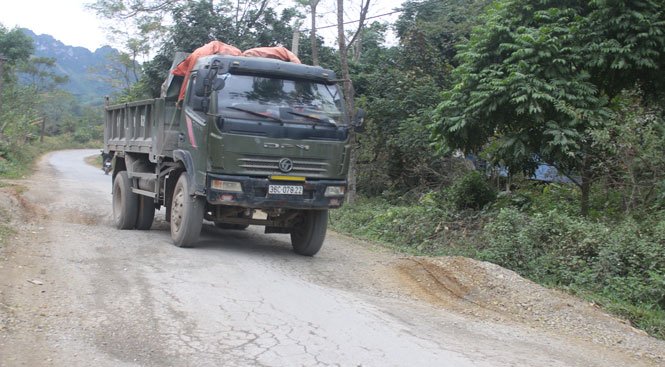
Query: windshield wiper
(325, 120)
(255, 113)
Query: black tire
(186, 214)
(146, 213)
(125, 202)
(307, 237)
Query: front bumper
(255, 194)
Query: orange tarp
(279, 53)
(212, 48)
(216, 47)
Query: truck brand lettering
(282, 146)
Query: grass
(5, 230)
(19, 161)
(94, 160)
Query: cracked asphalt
(239, 298)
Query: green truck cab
(254, 141)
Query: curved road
(239, 298)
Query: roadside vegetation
(474, 98)
(537, 231)
(36, 115)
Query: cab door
(194, 134)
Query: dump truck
(254, 141)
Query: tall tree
(538, 76)
(39, 74)
(312, 4)
(16, 47)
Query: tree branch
(363, 14)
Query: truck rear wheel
(186, 214)
(307, 237)
(125, 202)
(146, 213)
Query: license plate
(284, 190)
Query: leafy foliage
(396, 155)
(539, 75)
(623, 266)
(16, 48)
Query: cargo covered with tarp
(277, 53)
(212, 48)
(185, 67)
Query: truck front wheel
(125, 202)
(186, 214)
(308, 235)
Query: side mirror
(359, 121)
(201, 86)
(200, 100)
(218, 84)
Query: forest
(466, 100)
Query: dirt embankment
(488, 291)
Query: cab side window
(194, 103)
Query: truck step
(144, 192)
(146, 175)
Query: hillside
(78, 64)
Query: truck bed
(141, 127)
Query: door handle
(181, 137)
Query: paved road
(239, 298)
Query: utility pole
(296, 39)
(41, 136)
(2, 61)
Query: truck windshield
(285, 100)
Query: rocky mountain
(87, 71)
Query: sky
(69, 22)
(65, 20)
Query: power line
(372, 17)
(356, 21)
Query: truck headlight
(334, 191)
(226, 185)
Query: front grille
(265, 163)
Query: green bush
(471, 191)
(408, 228)
(622, 263)
(82, 135)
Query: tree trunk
(2, 61)
(295, 40)
(348, 93)
(586, 186)
(358, 48)
(41, 135)
(312, 33)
